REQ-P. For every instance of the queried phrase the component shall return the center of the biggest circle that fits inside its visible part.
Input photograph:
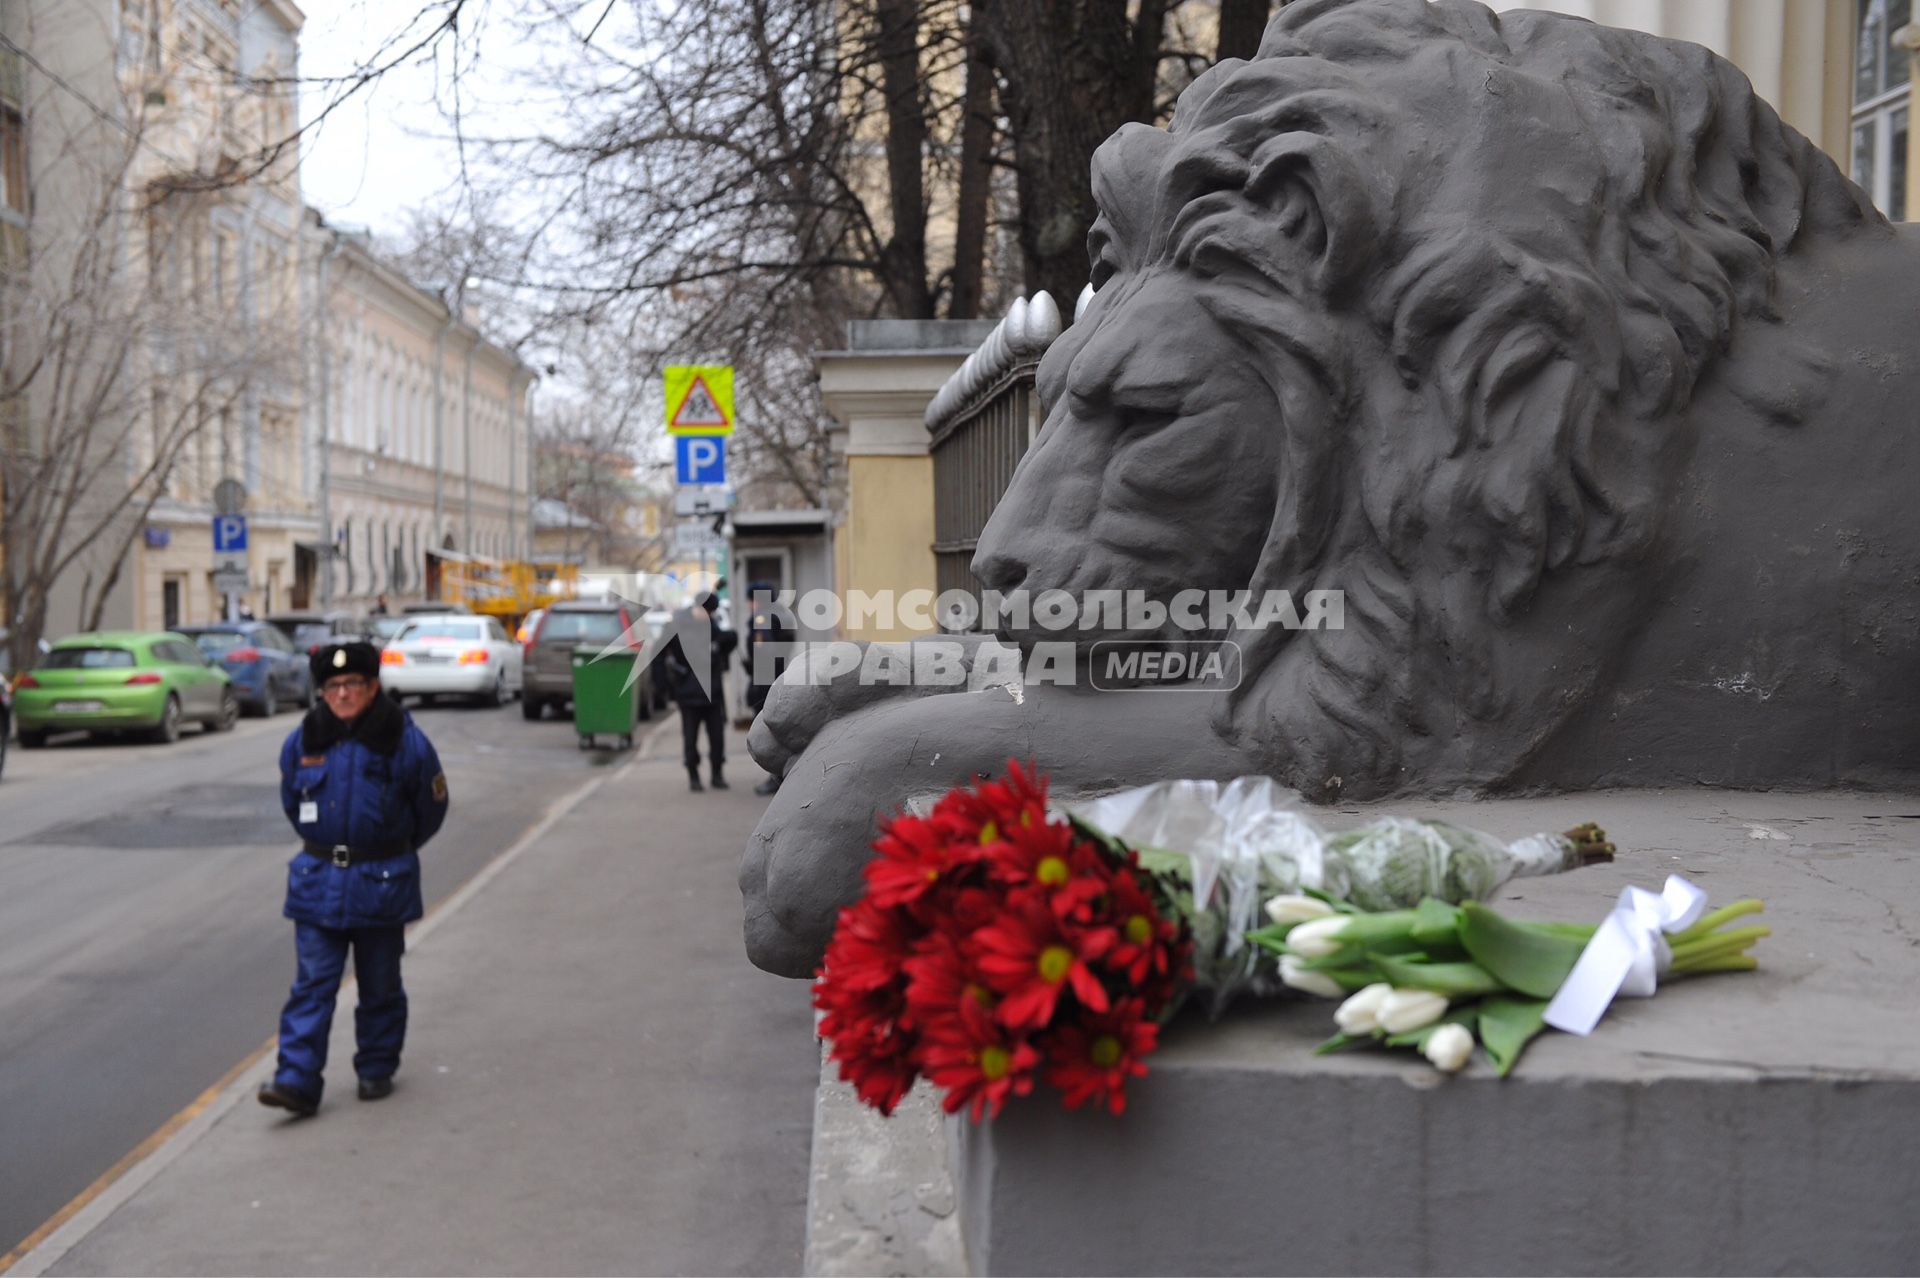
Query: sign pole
(699, 407)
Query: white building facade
(420, 437)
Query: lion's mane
(1550, 231)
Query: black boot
(693, 780)
(719, 778)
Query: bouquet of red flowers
(995, 947)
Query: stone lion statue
(1581, 375)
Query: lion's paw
(831, 681)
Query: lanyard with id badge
(309, 809)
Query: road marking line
(646, 743)
(91, 1207)
(146, 1147)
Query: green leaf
(1272, 937)
(1340, 904)
(1436, 923)
(1339, 1041)
(1172, 865)
(1581, 932)
(1529, 959)
(1455, 980)
(1507, 1025)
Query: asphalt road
(142, 951)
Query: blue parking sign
(229, 534)
(699, 459)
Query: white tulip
(1448, 1047)
(1295, 975)
(1317, 938)
(1404, 1010)
(1360, 1014)
(1297, 909)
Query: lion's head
(1413, 306)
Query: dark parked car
(548, 669)
(267, 670)
(310, 631)
(6, 694)
(6, 708)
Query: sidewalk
(596, 1081)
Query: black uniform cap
(344, 659)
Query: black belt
(343, 855)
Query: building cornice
(433, 308)
(288, 12)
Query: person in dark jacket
(364, 790)
(700, 701)
(768, 628)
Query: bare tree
(1242, 23)
(124, 357)
(733, 180)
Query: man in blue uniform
(364, 789)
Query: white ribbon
(1627, 953)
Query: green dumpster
(606, 695)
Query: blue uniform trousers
(379, 1022)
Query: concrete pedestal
(1762, 1122)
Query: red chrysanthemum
(942, 986)
(1092, 1057)
(1145, 940)
(1028, 957)
(914, 855)
(979, 1070)
(988, 811)
(874, 1050)
(1027, 844)
(869, 946)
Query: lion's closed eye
(1140, 419)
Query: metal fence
(974, 455)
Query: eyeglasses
(352, 683)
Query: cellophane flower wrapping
(1239, 843)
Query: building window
(13, 158)
(222, 263)
(1881, 70)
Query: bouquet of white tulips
(1222, 850)
(1388, 919)
(1438, 976)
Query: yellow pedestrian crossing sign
(699, 399)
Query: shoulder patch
(439, 787)
(312, 760)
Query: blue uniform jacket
(363, 797)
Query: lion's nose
(997, 567)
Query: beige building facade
(238, 249)
(153, 230)
(420, 432)
(877, 391)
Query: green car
(122, 681)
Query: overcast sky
(390, 148)
(364, 166)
